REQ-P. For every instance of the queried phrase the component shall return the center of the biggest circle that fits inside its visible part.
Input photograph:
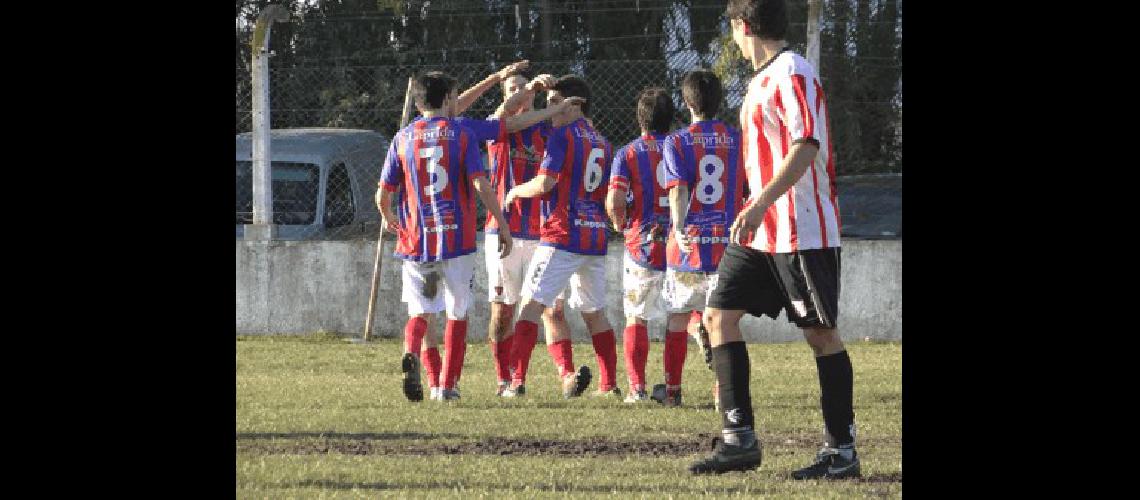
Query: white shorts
(641, 290)
(684, 291)
(505, 276)
(426, 293)
(552, 271)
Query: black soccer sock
(730, 362)
(836, 384)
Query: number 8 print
(710, 189)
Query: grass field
(318, 417)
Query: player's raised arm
(468, 97)
(519, 122)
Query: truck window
(295, 187)
(339, 206)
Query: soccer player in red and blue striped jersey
(704, 172)
(573, 240)
(433, 165)
(639, 207)
(515, 152)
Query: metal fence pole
(813, 34)
(262, 227)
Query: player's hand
(541, 82)
(747, 222)
(505, 242)
(572, 101)
(619, 218)
(510, 197)
(390, 226)
(511, 68)
(684, 241)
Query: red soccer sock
(629, 351)
(676, 348)
(432, 365)
(636, 344)
(501, 352)
(454, 347)
(526, 335)
(606, 351)
(563, 354)
(642, 351)
(414, 332)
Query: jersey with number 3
(574, 211)
(706, 157)
(639, 171)
(430, 165)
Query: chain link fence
(370, 97)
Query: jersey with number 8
(430, 165)
(574, 211)
(639, 170)
(706, 157)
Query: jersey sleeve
(619, 172)
(483, 130)
(677, 171)
(794, 106)
(472, 157)
(392, 174)
(554, 156)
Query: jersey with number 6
(574, 211)
(430, 165)
(707, 158)
(638, 171)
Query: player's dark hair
(702, 91)
(767, 19)
(655, 110)
(431, 88)
(571, 85)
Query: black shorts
(804, 283)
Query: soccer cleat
(830, 464)
(727, 458)
(450, 394)
(667, 397)
(514, 392)
(615, 392)
(410, 365)
(574, 385)
(636, 396)
(436, 394)
(503, 386)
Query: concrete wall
(306, 286)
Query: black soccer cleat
(410, 365)
(728, 458)
(830, 464)
(574, 386)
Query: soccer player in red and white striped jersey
(704, 172)
(432, 166)
(638, 207)
(785, 251)
(572, 184)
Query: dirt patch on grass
(491, 446)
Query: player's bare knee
(823, 341)
(555, 314)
